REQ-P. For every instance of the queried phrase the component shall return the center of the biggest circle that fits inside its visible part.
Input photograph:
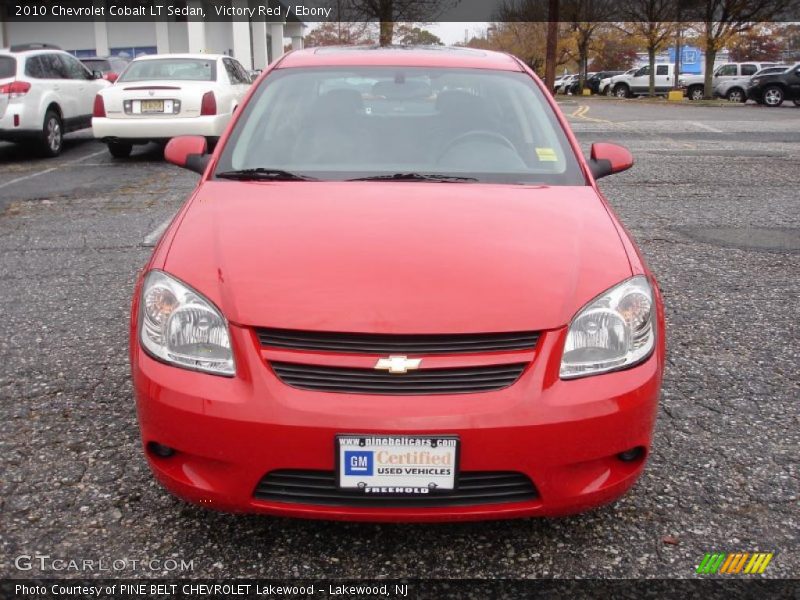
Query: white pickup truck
(694, 85)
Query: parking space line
(706, 127)
(51, 169)
(155, 235)
(24, 177)
(581, 111)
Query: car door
(725, 73)
(793, 82)
(82, 87)
(663, 79)
(640, 82)
(55, 78)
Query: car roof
(183, 55)
(400, 56)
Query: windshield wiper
(263, 174)
(433, 177)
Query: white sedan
(166, 95)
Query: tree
(721, 20)
(389, 12)
(759, 43)
(585, 18)
(340, 34)
(649, 20)
(408, 35)
(614, 50)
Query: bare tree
(648, 19)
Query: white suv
(44, 93)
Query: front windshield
(181, 69)
(345, 123)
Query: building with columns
(255, 43)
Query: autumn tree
(340, 33)
(722, 20)
(649, 21)
(759, 43)
(408, 35)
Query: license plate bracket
(397, 465)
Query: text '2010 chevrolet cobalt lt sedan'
(397, 294)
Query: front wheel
(120, 149)
(773, 96)
(696, 92)
(736, 95)
(52, 138)
(621, 91)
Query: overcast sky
(450, 33)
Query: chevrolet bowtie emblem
(398, 364)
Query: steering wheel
(477, 133)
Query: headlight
(181, 327)
(614, 331)
(755, 81)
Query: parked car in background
(735, 89)
(574, 87)
(44, 93)
(607, 85)
(287, 358)
(693, 86)
(110, 66)
(772, 89)
(593, 82)
(638, 83)
(565, 83)
(165, 95)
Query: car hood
(397, 257)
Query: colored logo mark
(738, 562)
(358, 462)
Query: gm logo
(357, 462)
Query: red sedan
(397, 294)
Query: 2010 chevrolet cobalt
(397, 294)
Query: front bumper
(230, 432)
(143, 128)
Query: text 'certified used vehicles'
(166, 95)
(397, 294)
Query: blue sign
(691, 59)
(358, 462)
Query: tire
(609, 90)
(52, 139)
(120, 149)
(796, 101)
(736, 95)
(621, 90)
(696, 92)
(773, 96)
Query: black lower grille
(423, 382)
(297, 486)
(377, 343)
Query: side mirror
(189, 152)
(608, 159)
(97, 74)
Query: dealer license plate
(397, 465)
(152, 106)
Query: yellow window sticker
(546, 154)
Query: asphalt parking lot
(713, 201)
